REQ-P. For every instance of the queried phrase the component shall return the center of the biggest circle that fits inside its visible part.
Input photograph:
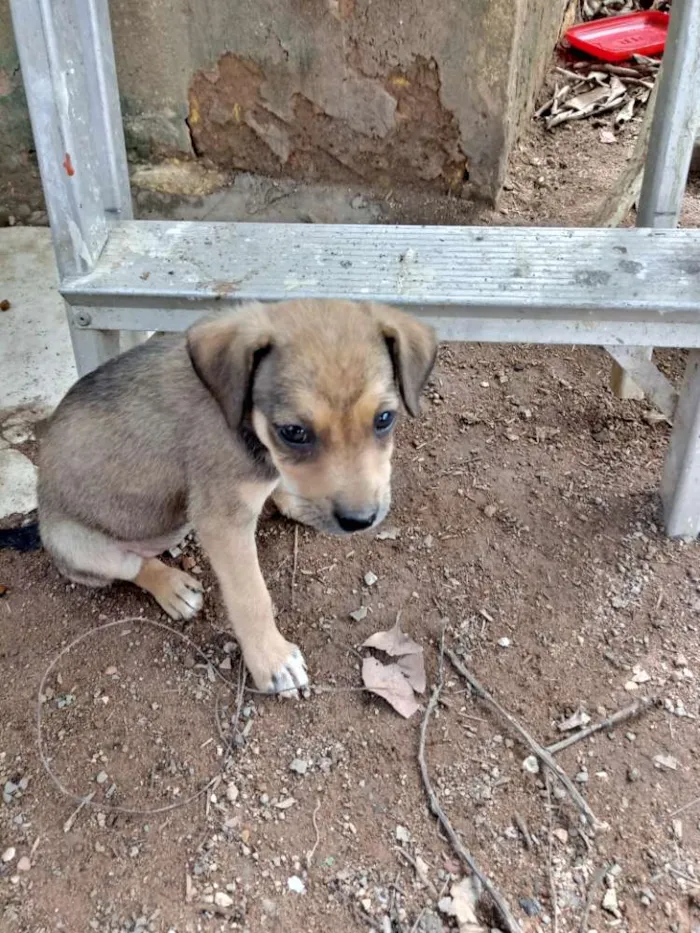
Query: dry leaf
(387, 681)
(3, 589)
(394, 642)
(574, 722)
(412, 666)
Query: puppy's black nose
(349, 522)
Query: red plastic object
(617, 38)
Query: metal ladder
(628, 290)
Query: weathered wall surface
(380, 92)
(15, 131)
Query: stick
(541, 753)
(68, 825)
(685, 807)
(524, 831)
(617, 203)
(550, 866)
(595, 884)
(512, 925)
(312, 851)
(622, 715)
(295, 562)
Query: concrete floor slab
(17, 483)
(36, 357)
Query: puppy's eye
(296, 435)
(384, 421)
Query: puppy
(297, 400)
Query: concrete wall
(376, 92)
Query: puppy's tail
(25, 538)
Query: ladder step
(625, 285)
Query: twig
(295, 561)
(312, 851)
(512, 925)
(685, 807)
(84, 801)
(68, 825)
(420, 875)
(541, 753)
(622, 715)
(595, 884)
(524, 831)
(550, 865)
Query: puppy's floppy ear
(412, 347)
(225, 353)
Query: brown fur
(183, 432)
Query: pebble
(561, 835)
(402, 834)
(24, 864)
(370, 578)
(531, 765)
(359, 614)
(222, 899)
(296, 885)
(9, 854)
(490, 510)
(582, 777)
(531, 906)
(504, 642)
(299, 766)
(101, 777)
(610, 901)
(231, 793)
(667, 762)
(633, 774)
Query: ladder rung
(583, 275)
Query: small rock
(633, 774)
(402, 834)
(110, 671)
(296, 885)
(531, 906)
(9, 854)
(504, 642)
(101, 777)
(677, 827)
(582, 777)
(490, 510)
(299, 766)
(24, 864)
(358, 202)
(431, 923)
(561, 835)
(610, 902)
(531, 765)
(641, 677)
(681, 660)
(359, 614)
(667, 762)
(388, 534)
(370, 578)
(647, 896)
(268, 907)
(231, 793)
(222, 899)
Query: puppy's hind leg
(92, 558)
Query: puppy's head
(321, 384)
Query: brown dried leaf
(412, 666)
(3, 589)
(387, 681)
(394, 642)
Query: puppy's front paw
(282, 670)
(179, 594)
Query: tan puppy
(296, 400)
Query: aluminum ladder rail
(625, 289)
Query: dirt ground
(526, 527)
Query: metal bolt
(83, 319)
